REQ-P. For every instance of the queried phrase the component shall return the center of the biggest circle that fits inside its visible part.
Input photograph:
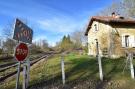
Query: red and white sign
(21, 52)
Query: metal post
(99, 62)
(24, 75)
(127, 62)
(18, 75)
(62, 68)
(26, 70)
(131, 65)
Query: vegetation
(81, 70)
(73, 42)
(66, 43)
(125, 8)
(78, 38)
(9, 45)
(81, 73)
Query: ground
(81, 73)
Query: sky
(50, 19)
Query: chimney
(117, 16)
(113, 14)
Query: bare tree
(9, 45)
(125, 8)
(129, 7)
(79, 38)
(7, 31)
(45, 44)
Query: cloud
(39, 37)
(53, 21)
(52, 41)
(63, 24)
(1, 30)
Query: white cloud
(60, 24)
(1, 31)
(53, 21)
(43, 37)
(39, 37)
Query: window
(95, 27)
(127, 41)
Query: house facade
(115, 35)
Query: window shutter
(123, 40)
(133, 41)
(130, 41)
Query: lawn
(81, 73)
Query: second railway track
(2, 78)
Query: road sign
(21, 52)
(22, 32)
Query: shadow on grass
(83, 69)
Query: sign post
(26, 69)
(21, 53)
(23, 34)
(18, 75)
(99, 61)
(24, 76)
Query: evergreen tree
(66, 43)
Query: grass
(81, 71)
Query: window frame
(95, 27)
(127, 38)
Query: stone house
(115, 35)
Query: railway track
(8, 65)
(32, 61)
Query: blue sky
(50, 19)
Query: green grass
(80, 68)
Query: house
(115, 35)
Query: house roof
(109, 20)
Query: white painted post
(131, 65)
(18, 75)
(26, 69)
(62, 69)
(24, 76)
(100, 68)
(28, 72)
(99, 62)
